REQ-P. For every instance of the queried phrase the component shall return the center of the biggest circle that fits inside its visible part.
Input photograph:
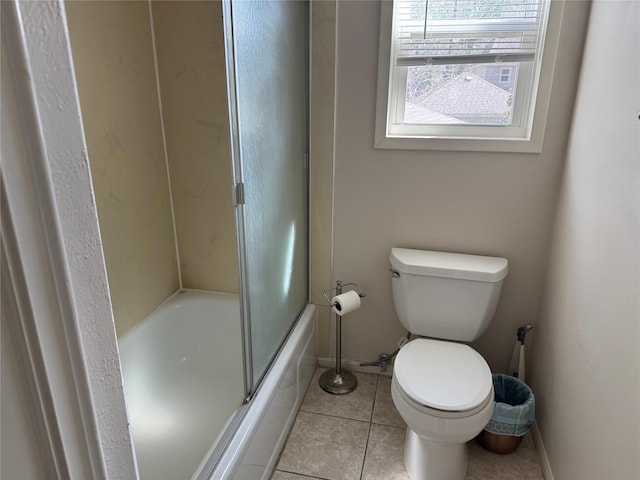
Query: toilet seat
(442, 378)
(441, 414)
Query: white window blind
(445, 32)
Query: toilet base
(430, 460)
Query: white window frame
(468, 138)
(397, 104)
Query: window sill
(459, 144)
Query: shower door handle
(238, 194)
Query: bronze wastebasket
(513, 415)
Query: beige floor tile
(278, 475)
(326, 447)
(385, 457)
(527, 441)
(521, 464)
(323, 446)
(384, 411)
(356, 405)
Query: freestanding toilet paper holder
(337, 380)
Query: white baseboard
(353, 365)
(542, 453)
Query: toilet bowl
(442, 387)
(444, 393)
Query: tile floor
(359, 436)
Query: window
(462, 71)
(505, 75)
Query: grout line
(366, 449)
(389, 425)
(375, 396)
(334, 416)
(300, 474)
(366, 446)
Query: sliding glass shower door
(267, 72)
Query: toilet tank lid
(449, 265)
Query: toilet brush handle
(338, 344)
(338, 334)
(515, 361)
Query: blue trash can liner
(514, 410)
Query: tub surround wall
(481, 203)
(585, 367)
(190, 49)
(113, 52)
(191, 82)
(113, 57)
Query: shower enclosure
(267, 50)
(196, 119)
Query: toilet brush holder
(339, 381)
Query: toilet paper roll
(346, 302)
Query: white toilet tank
(451, 296)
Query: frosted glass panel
(270, 42)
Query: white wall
(482, 203)
(586, 359)
(21, 456)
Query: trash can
(513, 415)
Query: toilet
(442, 387)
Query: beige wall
(113, 56)
(112, 46)
(585, 355)
(189, 42)
(321, 140)
(482, 203)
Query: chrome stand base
(338, 383)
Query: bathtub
(183, 378)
